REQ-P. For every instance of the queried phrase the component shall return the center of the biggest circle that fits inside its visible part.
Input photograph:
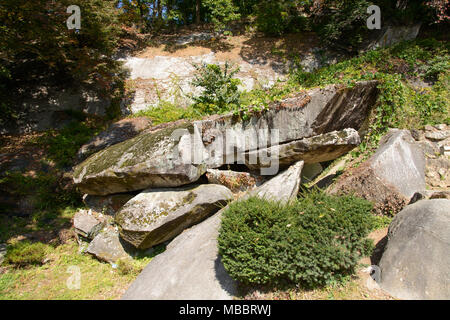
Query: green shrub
(220, 90)
(312, 242)
(25, 253)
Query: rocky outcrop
(283, 187)
(390, 177)
(308, 114)
(157, 215)
(416, 261)
(2, 252)
(153, 159)
(391, 35)
(191, 268)
(117, 132)
(107, 246)
(314, 126)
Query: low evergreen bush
(311, 242)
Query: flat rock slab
(2, 252)
(157, 215)
(416, 261)
(150, 160)
(107, 246)
(321, 148)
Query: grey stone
(150, 160)
(107, 204)
(86, 224)
(390, 177)
(107, 246)
(312, 113)
(120, 131)
(284, 187)
(416, 261)
(189, 269)
(321, 148)
(157, 215)
(437, 136)
(391, 35)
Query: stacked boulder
(163, 180)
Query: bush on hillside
(25, 253)
(311, 242)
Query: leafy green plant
(25, 253)
(168, 112)
(220, 91)
(314, 241)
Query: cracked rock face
(157, 215)
(416, 261)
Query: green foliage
(25, 253)
(400, 104)
(36, 47)
(313, 241)
(169, 112)
(64, 144)
(221, 12)
(220, 91)
(343, 23)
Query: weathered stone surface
(157, 215)
(283, 187)
(391, 35)
(324, 147)
(311, 113)
(190, 268)
(120, 131)
(107, 246)
(107, 204)
(416, 261)
(233, 180)
(86, 225)
(150, 160)
(390, 177)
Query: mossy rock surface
(151, 159)
(157, 215)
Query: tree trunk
(198, 4)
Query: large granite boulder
(416, 261)
(308, 114)
(150, 160)
(117, 132)
(317, 125)
(190, 268)
(390, 177)
(157, 215)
